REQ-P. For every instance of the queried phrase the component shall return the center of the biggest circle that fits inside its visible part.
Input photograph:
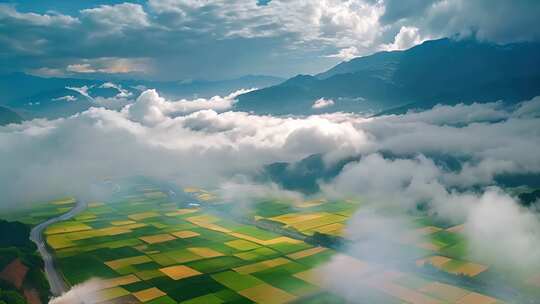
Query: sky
(222, 39)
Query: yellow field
(241, 245)
(112, 293)
(125, 280)
(149, 274)
(120, 223)
(143, 215)
(185, 234)
(264, 293)
(181, 212)
(205, 252)
(292, 218)
(476, 298)
(59, 241)
(179, 272)
(112, 231)
(281, 239)
(158, 238)
(116, 264)
(248, 269)
(148, 294)
(134, 225)
(85, 217)
(470, 269)
(326, 219)
(332, 229)
(66, 227)
(437, 261)
(202, 219)
(306, 253)
(446, 292)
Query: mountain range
(33, 96)
(8, 116)
(445, 71)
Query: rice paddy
(148, 249)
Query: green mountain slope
(7, 116)
(440, 71)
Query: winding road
(58, 285)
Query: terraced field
(148, 249)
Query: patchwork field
(149, 249)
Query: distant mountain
(443, 71)
(7, 116)
(33, 96)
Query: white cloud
(503, 233)
(122, 93)
(117, 18)
(156, 137)
(67, 98)
(322, 103)
(329, 22)
(346, 53)
(82, 90)
(84, 293)
(9, 11)
(530, 108)
(197, 143)
(150, 108)
(407, 37)
(176, 34)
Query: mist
(445, 159)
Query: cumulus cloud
(503, 233)
(322, 103)
(407, 37)
(84, 293)
(187, 39)
(346, 53)
(530, 108)
(113, 19)
(150, 108)
(122, 93)
(156, 137)
(442, 159)
(10, 12)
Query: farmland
(148, 248)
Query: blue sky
(217, 39)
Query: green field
(148, 249)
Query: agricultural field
(148, 248)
